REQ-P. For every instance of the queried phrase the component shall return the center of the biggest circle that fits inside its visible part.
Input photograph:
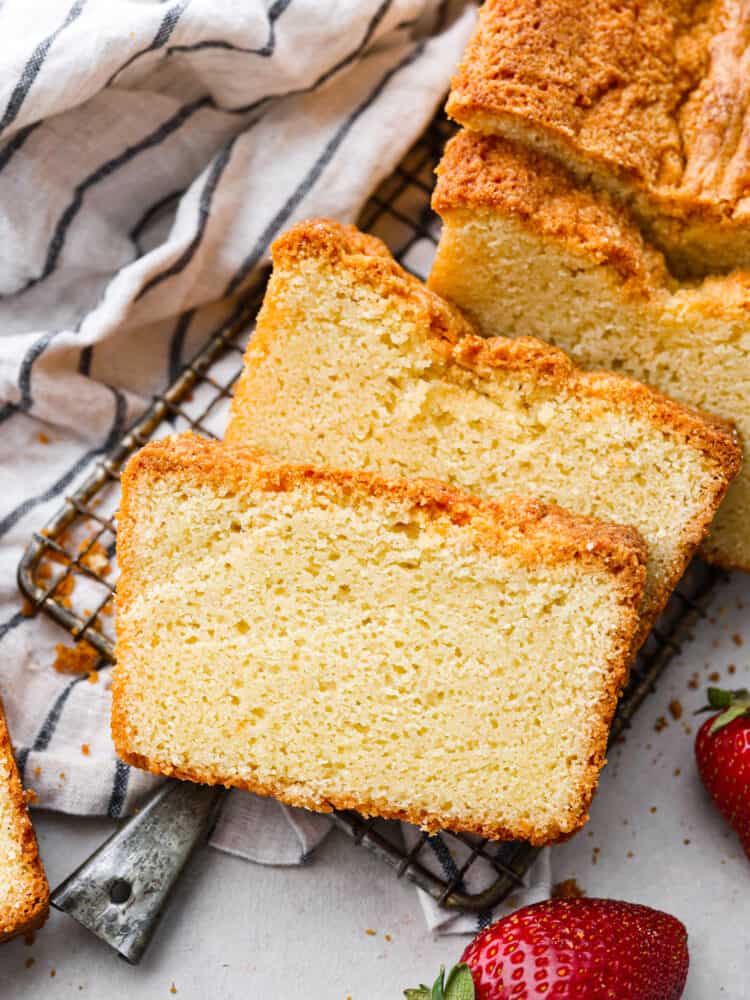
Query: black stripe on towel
(177, 344)
(265, 50)
(106, 169)
(13, 622)
(84, 360)
(314, 173)
(148, 217)
(204, 208)
(119, 790)
(113, 436)
(48, 727)
(162, 36)
(12, 146)
(375, 20)
(32, 68)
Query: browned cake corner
(644, 100)
(256, 723)
(490, 172)
(540, 244)
(330, 308)
(24, 893)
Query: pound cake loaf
(342, 640)
(355, 363)
(24, 894)
(645, 100)
(526, 250)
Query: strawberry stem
(458, 986)
(731, 705)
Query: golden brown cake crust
(525, 529)
(36, 908)
(483, 171)
(466, 178)
(656, 92)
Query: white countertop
(236, 931)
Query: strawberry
(722, 751)
(587, 949)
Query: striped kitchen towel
(149, 154)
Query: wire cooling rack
(68, 571)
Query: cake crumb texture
(342, 640)
(526, 250)
(24, 894)
(355, 363)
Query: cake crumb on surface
(370, 931)
(387, 937)
(677, 772)
(675, 708)
(85, 749)
(714, 676)
(29, 962)
(78, 659)
(567, 889)
(732, 669)
(173, 988)
(42, 438)
(652, 809)
(660, 724)
(52, 973)
(737, 639)
(94, 557)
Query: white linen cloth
(149, 153)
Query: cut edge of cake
(455, 341)
(34, 908)
(482, 178)
(517, 527)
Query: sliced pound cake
(341, 640)
(355, 363)
(525, 250)
(24, 894)
(646, 100)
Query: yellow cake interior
(534, 269)
(332, 647)
(350, 369)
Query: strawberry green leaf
(438, 991)
(732, 713)
(460, 984)
(718, 698)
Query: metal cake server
(120, 892)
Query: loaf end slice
(24, 893)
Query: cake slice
(645, 100)
(526, 250)
(356, 363)
(24, 894)
(341, 640)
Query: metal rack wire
(78, 544)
